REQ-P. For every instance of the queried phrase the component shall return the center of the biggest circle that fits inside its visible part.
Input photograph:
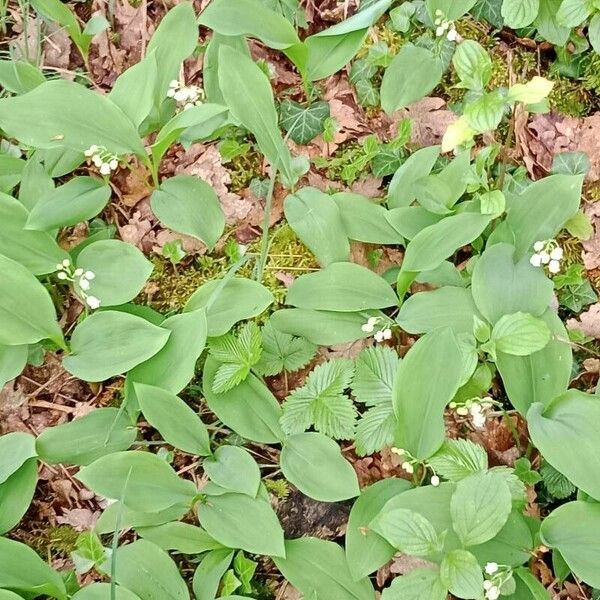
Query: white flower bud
(536, 260)
(66, 263)
(367, 328)
(84, 284)
(435, 480)
(544, 257)
(92, 302)
(170, 93)
(439, 31)
(493, 593)
(478, 420)
(89, 275)
(452, 35)
(180, 95)
(387, 334)
(113, 164)
(539, 246)
(62, 275)
(408, 468)
(554, 266)
(463, 411)
(491, 568)
(105, 169)
(78, 272)
(556, 254)
(379, 336)
(487, 584)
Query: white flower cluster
(186, 96)
(381, 334)
(104, 160)
(547, 252)
(445, 27)
(475, 408)
(496, 576)
(409, 464)
(66, 272)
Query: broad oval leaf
(239, 521)
(234, 469)
(562, 430)
(110, 342)
(403, 84)
(473, 65)
(316, 219)
(573, 13)
(84, 440)
(520, 13)
(189, 205)
(120, 271)
(207, 576)
(573, 529)
(318, 569)
(366, 550)
(16, 493)
(101, 591)
(228, 302)
(80, 199)
(344, 287)
(461, 574)
(314, 464)
(16, 448)
(177, 423)
(250, 409)
(140, 480)
(520, 334)
(27, 314)
(417, 585)
(480, 507)
(12, 361)
(179, 536)
(421, 424)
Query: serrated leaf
(303, 123)
(375, 369)
(283, 352)
(320, 402)
(375, 429)
(461, 574)
(556, 483)
(419, 584)
(458, 459)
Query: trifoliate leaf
(458, 459)
(375, 429)
(283, 352)
(556, 483)
(303, 124)
(374, 375)
(237, 355)
(321, 403)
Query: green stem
(404, 281)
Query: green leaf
(490, 11)
(573, 13)
(146, 570)
(461, 574)
(12, 362)
(344, 287)
(54, 10)
(580, 226)
(315, 465)
(500, 286)
(375, 429)
(19, 77)
(402, 189)
(238, 521)
(108, 343)
(237, 355)
(445, 307)
(84, 440)
(408, 531)
(375, 369)
(209, 573)
(316, 219)
(594, 32)
(15, 449)
(101, 591)
(318, 569)
(228, 303)
(520, 334)
(556, 483)
(329, 50)
(542, 210)
(173, 366)
(188, 205)
(366, 550)
(36, 250)
(451, 12)
(283, 352)
(480, 507)
(120, 269)
(473, 65)
(573, 529)
(80, 199)
(402, 84)
(547, 25)
(431, 371)
(23, 570)
(416, 585)
(27, 314)
(437, 242)
(249, 18)
(62, 113)
(562, 431)
(250, 409)
(542, 375)
(458, 459)
(176, 422)
(141, 480)
(321, 402)
(571, 163)
(322, 327)
(519, 13)
(179, 536)
(249, 96)
(16, 493)
(303, 124)
(234, 469)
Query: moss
(591, 73)
(569, 98)
(243, 169)
(572, 249)
(55, 540)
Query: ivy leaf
(571, 163)
(458, 459)
(362, 70)
(490, 10)
(303, 124)
(320, 402)
(237, 355)
(283, 352)
(367, 93)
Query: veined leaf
(234, 469)
(461, 574)
(519, 13)
(520, 334)
(458, 459)
(416, 585)
(303, 124)
(375, 369)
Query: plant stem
(404, 281)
